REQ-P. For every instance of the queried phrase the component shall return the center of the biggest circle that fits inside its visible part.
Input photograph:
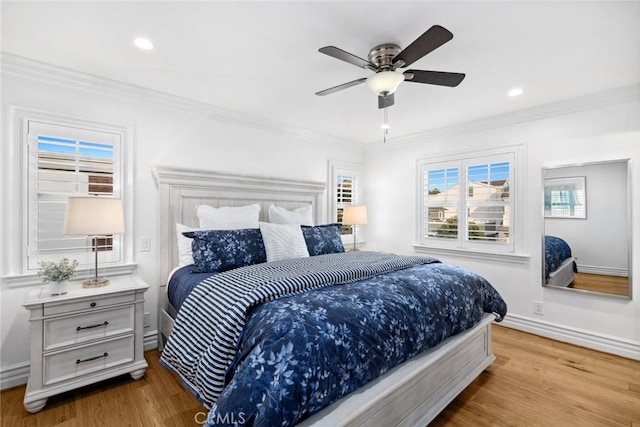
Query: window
(466, 203)
(346, 189)
(565, 198)
(68, 161)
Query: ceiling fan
(385, 58)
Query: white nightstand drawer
(78, 361)
(64, 331)
(86, 303)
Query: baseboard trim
(607, 271)
(18, 374)
(14, 375)
(150, 340)
(581, 337)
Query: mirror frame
(627, 163)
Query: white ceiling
(261, 60)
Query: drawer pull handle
(105, 323)
(92, 358)
(93, 304)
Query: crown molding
(31, 69)
(598, 100)
(26, 68)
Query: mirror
(587, 228)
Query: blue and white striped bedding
(307, 343)
(181, 283)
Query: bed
(411, 393)
(560, 264)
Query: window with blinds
(346, 195)
(467, 202)
(67, 161)
(488, 203)
(346, 190)
(441, 202)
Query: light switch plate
(145, 244)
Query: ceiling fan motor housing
(382, 55)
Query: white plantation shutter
(68, 161)
(346, 190)
(347, 194)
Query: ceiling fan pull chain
(385, 124)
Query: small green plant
(57, 271)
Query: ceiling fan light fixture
(385, 83)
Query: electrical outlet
(145, 244)
(147, 320)
(537, 308)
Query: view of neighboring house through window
(488, 209)
(442, 202)
(467, 201)
(67, 161)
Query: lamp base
(95, 283)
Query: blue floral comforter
(556, 250)
(299, 353)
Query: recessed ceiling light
(142, 43)
(515, 92)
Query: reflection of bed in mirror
(560, 265)
(598, 232)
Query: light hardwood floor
(533, 382)
(614, 285)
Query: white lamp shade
(385, 82)
(354, 215)
(94, 216)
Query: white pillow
(283, 241)
(300, 216)
(228, 218)
(185, 255)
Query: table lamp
(95, 216)
(354, 215)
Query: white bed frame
(413, 393)
(563, 276)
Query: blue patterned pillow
(323, 239)
(221, 250)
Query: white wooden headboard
(180, 190)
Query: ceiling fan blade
(341, 87)
(429, 41)
(385, 101)
(440, 78)
(347, 57)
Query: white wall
(600, 241)
(602, 131)
(187, 135)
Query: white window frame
(356, 171)
(461, 245)
(16, 268)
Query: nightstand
(84, 336)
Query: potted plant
(58, 273)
